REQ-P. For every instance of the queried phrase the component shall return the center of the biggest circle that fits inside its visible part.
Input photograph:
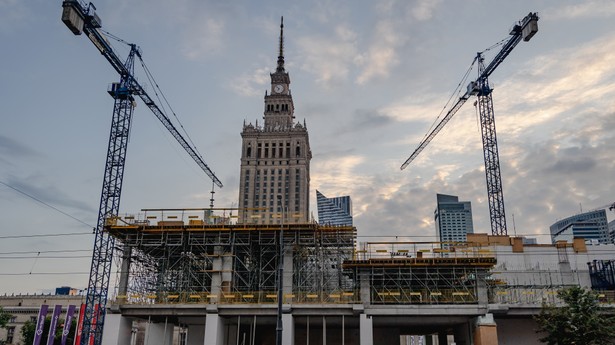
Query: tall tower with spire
(275, 158)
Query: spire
(281, 53)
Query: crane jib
(524, 29)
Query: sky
(368, 77)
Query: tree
(578, 322)
(4, 317)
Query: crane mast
(524, 29)
(80, 18)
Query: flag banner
(67, 323)
(40, 324)
(57, 310)
(79, 325)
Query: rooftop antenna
(514, 226)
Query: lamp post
(278, 329)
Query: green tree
(27, 332)
(578, 322)
(4, 317)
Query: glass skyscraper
(592, 226)
(334, 211)
(453, 219)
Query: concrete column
(124, 275)
(366, 330)
(117, 331)
(216, 276)
(288, 329)
(214, 331)
(365, 288)
(196, 335)
(485, 331)
(227, 272)
(482, 290)
(287, 282)
(159, 333)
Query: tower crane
(81, 18)
(524, 29)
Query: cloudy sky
(368, 77)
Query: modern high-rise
(334, 211)
(453, 218)
(592, 226)
(275, 158)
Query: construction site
(196, 277)
(222, 276)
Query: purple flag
(67, 323)
(40, 324)
(54, 323)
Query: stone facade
(275, 159)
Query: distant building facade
(275, 159)
(453, 218)
(25, 308)
(612, 231)
(334, 211)
(591, 226)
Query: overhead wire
(46, 204)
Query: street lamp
(278, 329)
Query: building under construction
(196, 277)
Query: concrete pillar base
(366, 330)
(485, 331)
(288, 329)
(214, 332)
(117, 331)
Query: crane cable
(157, 88)
(456, 92)
(157, 92)
(458, 89)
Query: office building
(591, 226)
(334, 211)
(453, 218)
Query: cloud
(13, 14)
(585, 9)
(381, 56)
(11, 148)
(424, 9)
(329, 58)
(251, 84)
(205, 38)
(48, 194)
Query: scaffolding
(204, 256)
(421, 272)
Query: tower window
(298, 151)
